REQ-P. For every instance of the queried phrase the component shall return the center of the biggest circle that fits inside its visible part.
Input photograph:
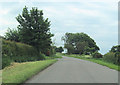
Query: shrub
(117, 56)
(112, 57)
(6, 61)
(97, 55)
(19, 52)
(41, 56)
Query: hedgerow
(18, 52)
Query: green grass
(98, 61)
(20, 72)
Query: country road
(73, 70)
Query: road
(73, 70)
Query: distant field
(98, 61)
(19, 72)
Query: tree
(78, 42)
(70, 48)
(13, 35)
(80, 47)
(34, 29)
(59, 49)
(116, 51)
(115, 48)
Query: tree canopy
(59, 49)
(79, 43)
(115, 48)
(12, 35)
(33, 28)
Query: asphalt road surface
(73, 70)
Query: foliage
(51, 51)
(70, 48)
(80, 47)
(79, 43)
(117, 56)
(111, 57)
(59, 49)
(57, 55)
(12, 35)
(115, 48)
(34, 29)
(19, 72)
(19, 52)
(6, 61)
(97, 55)
(89, 50)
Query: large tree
(78, 42)
(34, 29)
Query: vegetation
(33, 30)
(33, 35)
(97, 55)
(18, 52)
(113, 56)
(19, 72)
(12, 35)
(57, 55)
(115, 48)
(59, 49)
(79, 43)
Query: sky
(97, 18)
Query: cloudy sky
(97, 18)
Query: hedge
(112, 57)
(18, 52)
(97, 55)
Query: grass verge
(98, 61)
(20, 72)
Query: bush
(18, 52)
(112, 57)
(6, 61)
(97, 55)
(117, 56)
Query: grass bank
(98, 61)
(20, 72)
